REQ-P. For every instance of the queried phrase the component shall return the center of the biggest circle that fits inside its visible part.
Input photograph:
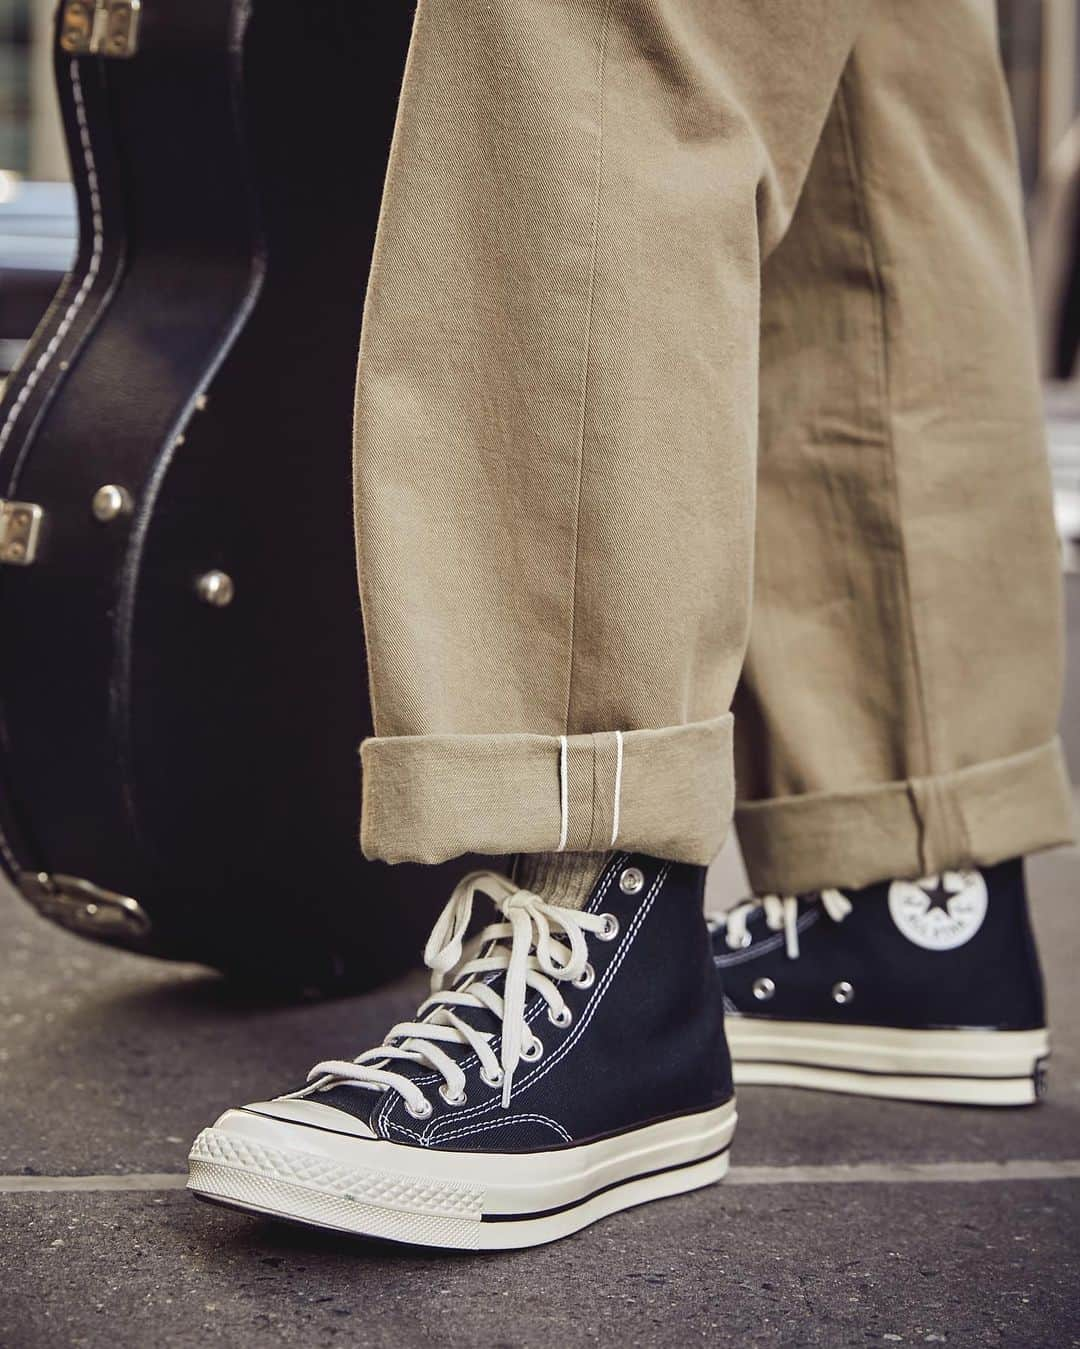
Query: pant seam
(587, 374)
(886, 389)
(911, 792)
(368, 627)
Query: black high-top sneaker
(568, 1063)
(923, 990)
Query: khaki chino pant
(684, 310)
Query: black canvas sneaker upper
(569, 1063)
(553, 1026)
(948, 951)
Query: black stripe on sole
(742, 1062)
(604, 1189)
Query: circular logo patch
(942, 912)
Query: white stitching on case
(64, 326)
(94, 266)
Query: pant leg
(897, 713)
(557, 413)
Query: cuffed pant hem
(972, 817)
(666, 792)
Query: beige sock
(564, 878)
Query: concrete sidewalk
(845, 1221)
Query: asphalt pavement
(845, 1221)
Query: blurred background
(1040, 42)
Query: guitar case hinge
(100, 27)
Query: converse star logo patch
(939, 913)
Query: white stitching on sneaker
(781, 916)
(499, 1121)
(528, 1079)
(769, 944)
(602, 986)
(473, 1111)
(538, 946)
(380, 1123)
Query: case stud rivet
(216, 588)
(110, 502)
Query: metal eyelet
(610, 930)
(763, 989)
(631, 880)
(532, 1051)
(426, 1113)
(561, 1019)
(495, 1081)
(586, 978)
(842, 992)
(459, 1099)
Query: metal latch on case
(86, 908)
(100, 27)
(20, 529)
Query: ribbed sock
(564, 878)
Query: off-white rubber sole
(966, 1067)
(460, 1200)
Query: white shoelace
(781, 914)
(538, 946)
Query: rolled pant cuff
(972, 817)
(666, 792)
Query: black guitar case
(183, 683)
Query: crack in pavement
(861, 1173)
